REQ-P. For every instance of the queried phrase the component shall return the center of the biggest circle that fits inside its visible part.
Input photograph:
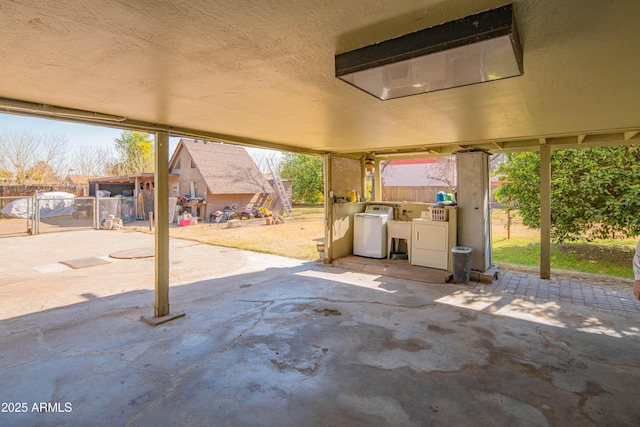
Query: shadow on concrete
(310, 344)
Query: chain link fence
(45, 213)
(59, 211)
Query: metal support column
(545, 211)
(161, 215)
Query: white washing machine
(370, 231)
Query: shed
(134, 192)
(216, 175)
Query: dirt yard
(296, 238)
(20, 226)
(499, 226)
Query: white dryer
(430, 240)
(370, 231)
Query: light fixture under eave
(369, 164)
(475, 49)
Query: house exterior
(218, 174)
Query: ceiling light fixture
(475, 49)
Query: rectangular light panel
(475, 49)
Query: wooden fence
(413, 194)
(428, 194)
(30, 190)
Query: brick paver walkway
(592, 293)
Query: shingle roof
(227, 169)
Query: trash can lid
(462, 249)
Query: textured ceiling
(261, 72)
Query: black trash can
(461, 260)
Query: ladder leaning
(282, 193)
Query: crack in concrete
(40, 339)
(337, 301)
(188, 246)
(262, 309)
(176, 378)
(547, 342)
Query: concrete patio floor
(269, 341)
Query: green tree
(135, 153)
(595, 192)
(307, 175)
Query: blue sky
(78, 135)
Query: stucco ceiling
(261, 72)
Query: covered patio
(270, 340)
(268, 77)
(275, 341)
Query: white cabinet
(430, 243)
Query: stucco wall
(346, 176)
(343, 214)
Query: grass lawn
(298, 237)
(611, 257)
